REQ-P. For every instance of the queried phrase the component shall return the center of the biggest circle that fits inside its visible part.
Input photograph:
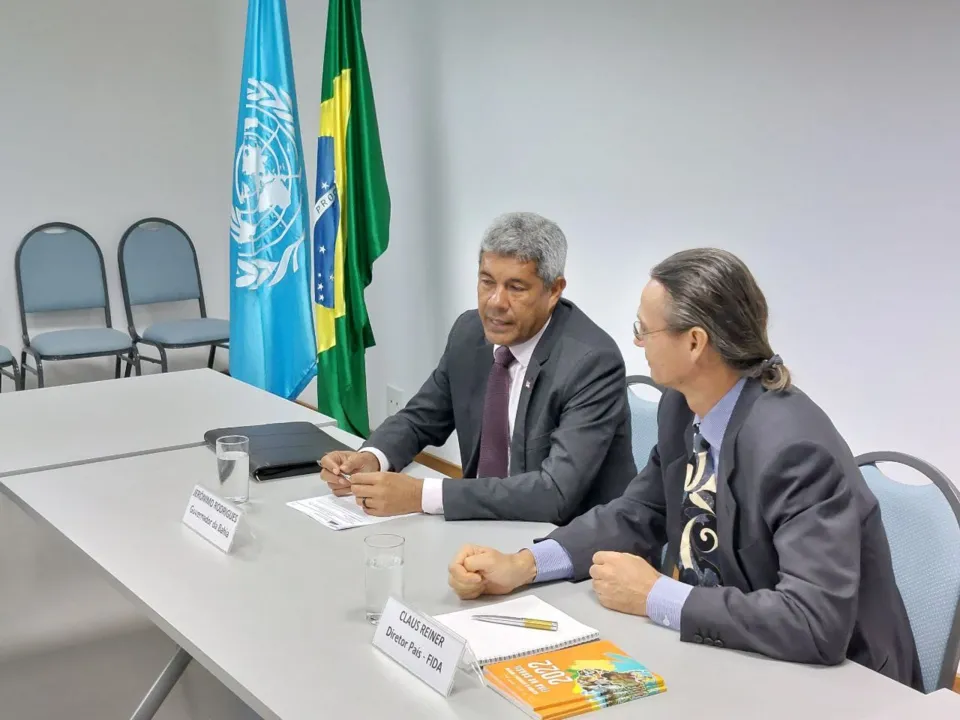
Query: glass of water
(233, 468)
(383, 572)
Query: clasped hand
(621, 581)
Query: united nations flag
(272, 336)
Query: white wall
(113, 111)
(818, 140)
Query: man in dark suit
(535, 390)
(774, 543)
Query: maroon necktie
(495, 433)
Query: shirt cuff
(431, 500)
(384, 463)
(665, 601)
(553, 562)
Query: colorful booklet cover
(573, 681)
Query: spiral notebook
(495, 643)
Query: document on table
(337, 513)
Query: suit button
(708, 641)
(697, 639)
(718, 643)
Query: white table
(50, 595)
(939, 705)
(68, 424)
(281, 622)
(946, 704)
(275, 618)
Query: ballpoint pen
(530, 623)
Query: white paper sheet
(337, 513)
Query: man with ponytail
(750, 527)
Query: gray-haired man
(535, 390)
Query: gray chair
(158, 264)
(923, 527)
(59, 267)
(643, 420)
(9, 367)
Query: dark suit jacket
(804, 559)
(571, 444)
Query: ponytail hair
(771, 373)
(714, 290)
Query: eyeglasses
(640, 335)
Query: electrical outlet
(395, 401)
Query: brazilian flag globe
(353, 211)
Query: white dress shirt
(432, 499)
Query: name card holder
(213, 518)
(424, 647)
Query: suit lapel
(748, 396)
(675, 489)
(518, 444)
(674, 476)
(478, 375)
(726, 504)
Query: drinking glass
(383, 572)
(233, 468)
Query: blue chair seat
(6, 357)
(643, 425)
(81, 341)
(195, 331)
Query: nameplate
(420, 644)
(213, 519)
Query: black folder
(280, 450)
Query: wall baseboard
(444, 467)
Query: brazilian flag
(353, 211)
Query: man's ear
(556, 291)
(698, 342)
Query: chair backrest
(643, 420)
(922, 523)
(158, 263)
(59, 266)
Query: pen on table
(530, 623)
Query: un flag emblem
(267, 220)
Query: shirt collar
(714, 423)
(523, 352)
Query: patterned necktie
(495, 433)
(699, 559)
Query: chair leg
(213, 352)
(163, 358)
(136, 362)
(129, 360)
(39, 373)
(117, 371)
(17, 377)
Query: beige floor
(72, 647)
(106, 679)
